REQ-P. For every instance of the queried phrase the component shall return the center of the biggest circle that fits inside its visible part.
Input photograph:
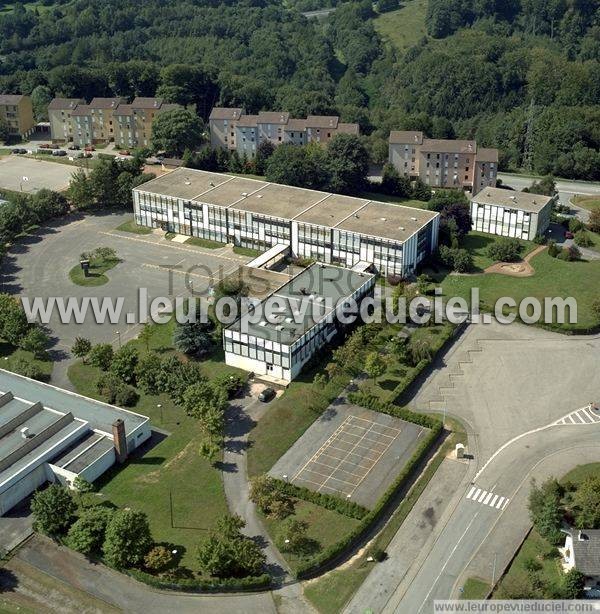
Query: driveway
(15, 526)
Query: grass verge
(475, 588)
(131, 226)
(200, 242)
(246, 251)
(587, 202)
(96, 276)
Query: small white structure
(508, 213)
(459, 450)
(582, 552)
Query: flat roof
(374, 218)
(99, 415)
(525, 201)
(260, 282)
(313, 285)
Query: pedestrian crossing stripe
(485, 497)
(585, 415)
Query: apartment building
(17, 112)
(222, 121)
(330, 228)
(511, 214)
(232, 129)
(105, 120)
(443, 163)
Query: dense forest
(522, 76)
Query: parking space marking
(352, 451)
(584, 415)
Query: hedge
(329, 502)
(248, 583)
(315, 565)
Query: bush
(576, 225)
(570, 254)
(540, 239)
(81, 347)
(158, 559)
(457, 259)
(231, 383)
(583, 239)
(505, 250)
(101, 356)
(208, 584)
(553, 249)
(269, 499)
(126, 396)
(124, 362)
(128, 539)
(86, 535)
(25, 367)
(53, 510)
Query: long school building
(330, 228)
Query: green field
(9, 355)
(478, 242)
(131, 226)
(405, 26)
(475, 588)
(552, 278)
(170, 476)
(587, 202)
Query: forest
(523, 76)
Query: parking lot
(350, 452)
(22, 174)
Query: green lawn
(9, 355)
(200, 242)
(582, 472)
(246, 251)
(552, 278)
(475, 588)
(96, 276)
(170, 471)
(131, 226)
(326, 527)
(587, 202)
(405, 26)
(478, 242)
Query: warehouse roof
(510, 199)
(305, 300)
(385, 220)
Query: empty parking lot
(350, 452)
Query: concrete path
(241, 416)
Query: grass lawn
(332, 591)
(552, 278)
(131, 226)
(478, 242)
(405, 26)
(171, 470)
(582, 472)
(326, 527)
(200, 242)
(587, 202)
(246, 251)
(475, 588)
(534, 547)
(398, 200)
(9, 355)
(96, 276)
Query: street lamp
(119, 337)
(159, 406)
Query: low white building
(52, 435)
(308, 316)
(582, 552)
(507, 213)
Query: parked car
(568, 234)
(90, 148)
(19, 150)
(74, 148)
(266, 395)
(59, 152)
(45, 146)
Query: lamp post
(159, 406)
(119, 337)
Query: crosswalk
(585, 415)
(485, 497)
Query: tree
(292, 165)
(41, 96)
(583, 239)
(206, 403)
(53, 510)
(269, 499)
(292, 536)
(13, 321)
(392, 183)
(124, 364)
(545, 186)
(127, 540)
(46, 204)
(81, 347)
(87, 533)
(419, 350)
(193, 338)
(35, 341)
(227, 553)
(573, 585)
(4, 131)
(420, 190)
(177, 130)
(145, 335)
(263, 152)
(586, 504)
(81, 192)
(101, 356)
(148, 373)
(347, 163)
(374, 365)
(455, 214)
(505, 249)
(594, 220)
(545, 509)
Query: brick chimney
(120, 440)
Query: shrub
(583, 239)
(269, 499)
(25, 367)
(576, 225)
(53, 510)
(128, 539)
(35, 341)
(540, 239)
(107, 385)
(570, 254)
(86, 535)
(101, 356)
(505, 249)
(594, 220)
(124, 362)
(292, 537)
(81, 347)
(457, 259)
(126, 396)
(231, 383)
(148, 373)
(158, 559)
(553, 249)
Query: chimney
(119, 440)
